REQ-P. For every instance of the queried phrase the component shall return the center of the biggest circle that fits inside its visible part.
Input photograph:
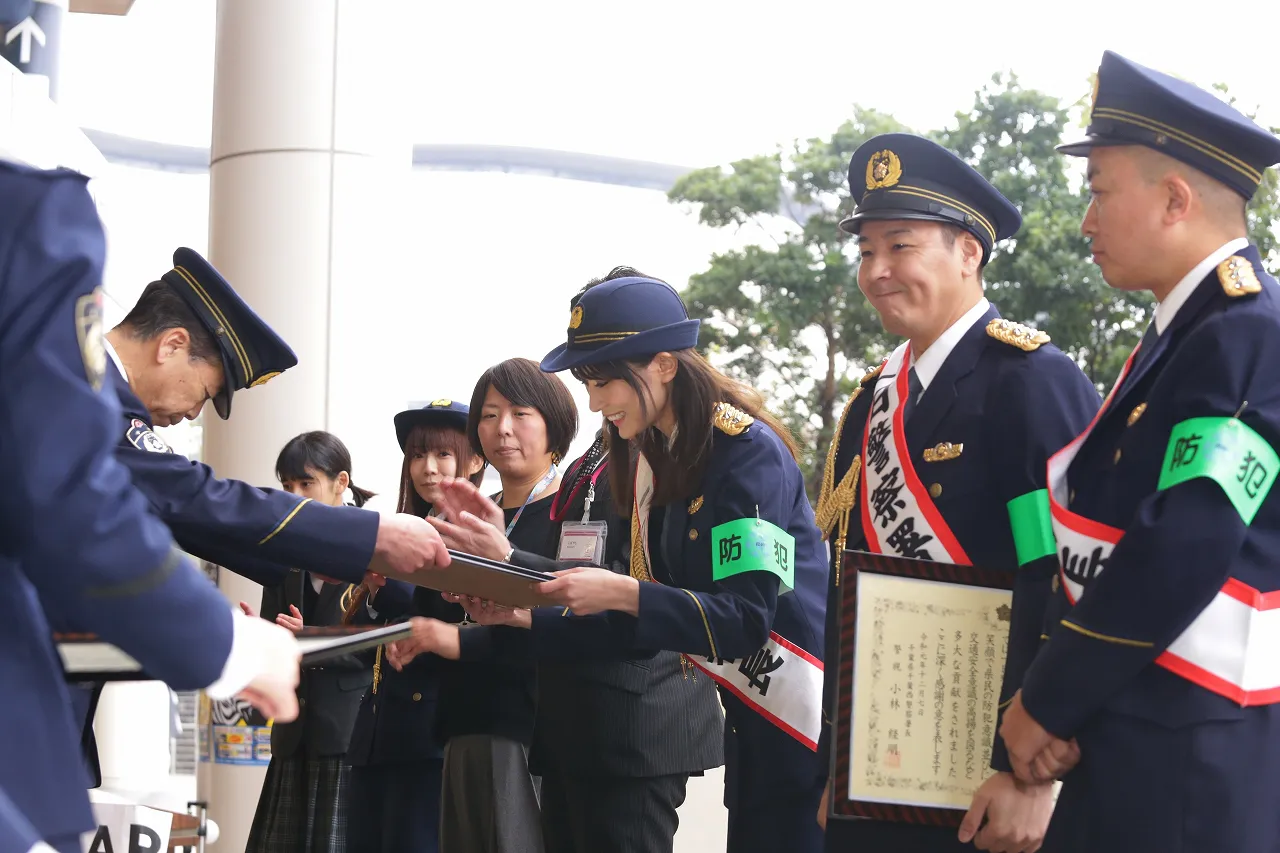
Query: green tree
(786, 313)
(1043, 276)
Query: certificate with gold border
(921, 662)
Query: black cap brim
(222, 400)
(671, 338)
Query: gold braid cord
(835, 502)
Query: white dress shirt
(1168, 308)
(928, 363)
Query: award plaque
(921, 662)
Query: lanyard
(542, 484)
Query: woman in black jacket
(302, 808)
(396, 750)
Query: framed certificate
(921, 662)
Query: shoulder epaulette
(867, 377)
(1016, 334)
(730, 420)
(1237, 277)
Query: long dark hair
(322, 452)
(678, 466)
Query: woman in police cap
(727, 566)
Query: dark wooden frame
(852, 563)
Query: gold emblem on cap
(1237, 277)
(884, 169)
(441, 403)
(1016, 334)
(575, 317)
(943, 451)
(264, 379)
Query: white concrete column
(310, 161)
(132, 727)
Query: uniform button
(417, 697)
(693, 535)
(1071, 498)
(302, 703)
(935, 490)
(1115, 460)
(1055, 583)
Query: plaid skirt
(302, 808)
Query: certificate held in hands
(467, 574)
(921, 662)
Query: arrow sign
(27, 30)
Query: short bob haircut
(523, 383)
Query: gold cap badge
(884, 169)
(1237, 277)
(441, 403)
(575, 317)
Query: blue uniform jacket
(687, 611)
(17, 835)
(1011, 410)
(252, 531)
(398, 722)
(75, 536)
(1199, 768)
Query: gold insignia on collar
(1016, 334)
(441, 403)
(575, 317)
(731, 421)
(696, 505)
(884, 169)
(1137, 413)
(943, 451)
(1237, 277)
(264, 379)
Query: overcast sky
(693, 83)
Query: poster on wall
(240, 734)
(202, 728)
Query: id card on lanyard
(583, 541)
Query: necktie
(1148, 343)
(914, 389)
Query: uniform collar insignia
(1137, 413)
(943, 451)
(1016, 334)
(731, 421)
(1237, 277)
(696, 505)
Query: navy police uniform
(614, 741)
(1165, 668)
(726, 626)
(252, 531)
(255, 532)
(396, 754)
(978, 437)
(75, 537)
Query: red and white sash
(781, 681)
(1230, 647)
(898, 516)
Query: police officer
(75, 537)
(190, 339)
(1162, 659)
(726, 569)
(981, 403)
